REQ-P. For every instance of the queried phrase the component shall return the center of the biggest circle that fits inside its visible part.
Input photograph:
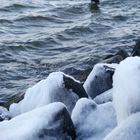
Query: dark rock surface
(115, 58)
(136, 49)
(76, 87)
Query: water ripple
(39, 37)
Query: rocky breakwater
(105, 106)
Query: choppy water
(41, 36)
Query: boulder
(49, 122)
(100, 79)
(58, 87)
(92, 121)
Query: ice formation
(46, 91)
(104, 97)
(92, 121)
(126, 88)
(129, 129)
(44, 123)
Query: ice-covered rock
(92, 121)
(126, 88)
(100, 79)
(4, 114)
(129, 129)
(58, 87)
(104, 97)
(49, 122)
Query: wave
(18, 6)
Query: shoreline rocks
(57, 87)
(54, 108)
(45, 123)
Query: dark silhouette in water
(95, 2)
(94, 5)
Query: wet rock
(136, 50)
(4, 114)
(92, 121)
(14, 99)
(122, 53)
(76, 87)
(116, 58)
(113, 59)
(58, 87)
(100, 79)
(82, 75)
(45, 123)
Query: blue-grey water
(41, 36)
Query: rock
(126, 88)
(92, 121)
(115, 58)
(82, 75)
(129, 129)
(136, 50)
(76, 87)
(14, 99)
(104, 97)
(49, 122)
(122, 53)
(58, 87)
(100, 79)
(4, 114)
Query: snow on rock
(104, 97)
(49, 122)
(129, 129)
(57, 87)
(4, 114)
(92, 121)
(100, 79)
(126, 88)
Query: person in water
(94, 5)
(95, 2)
